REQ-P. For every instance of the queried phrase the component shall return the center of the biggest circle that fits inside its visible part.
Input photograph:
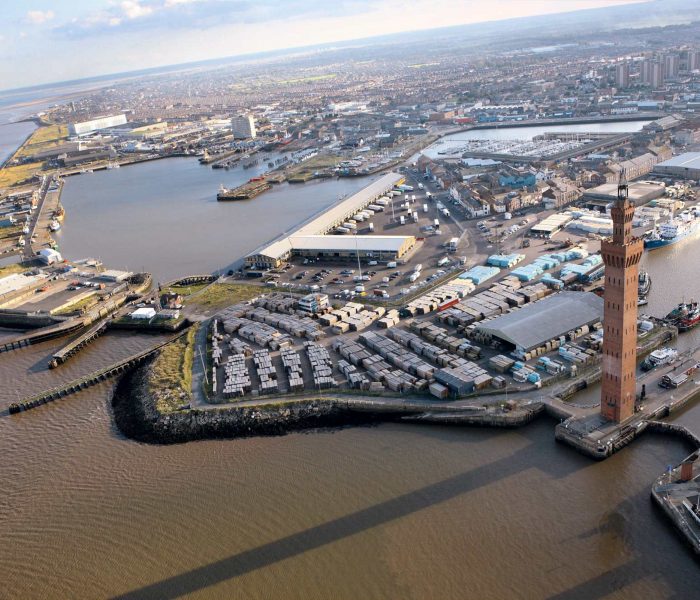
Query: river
(392, 511)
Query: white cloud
(37, 17)
(133, 9)
(169, 3)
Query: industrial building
(310, 240)
(640, 192)
(243, 127)
(685, 166)
(96, 124)
(535, 324)
(551, 225)
(314, 303)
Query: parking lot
(418, 218)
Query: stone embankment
(137, 416)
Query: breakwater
(137, 416)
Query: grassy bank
(9, 232)
(42, 139)
(219, 295)
(10, 176)
(170, 375)
(20, 267)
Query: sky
(46, 41)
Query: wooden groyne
(42, 335)
(88, 380)
(78, 344)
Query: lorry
(402, 220)
(436, 224)
(425, 208)
(391, 265)
(452, 244)
(443, 261)
(445, 212)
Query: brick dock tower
(621, 255)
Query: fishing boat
(685, 316)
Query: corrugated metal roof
(539, 322)
(687, 160)
(340, 212)
(385, 243)
(350, 205)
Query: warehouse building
(309, 240)
(96, 124)
(533, 325)
(640, 192)
(551, 225)
(684, 166)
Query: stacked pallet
(396, 355)
(390, 319)
(500, 363)
(321, 365)
(425, 349)
(236, 377)
(352, 351)
(454, 290)
(341, 315)
(353, 376)
(233, 312)
(498, 299)
(277, 302)
(465, 378)
(292, 366)
(576, 354)
(266, 372)
(297, 326)
(441, 337)
(394, 379)
(378, 369)
(364, 318)
(216, 350)
(237, 346)
(260, 334)
(523, 373)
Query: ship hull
(661, 243)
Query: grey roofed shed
(535, 324)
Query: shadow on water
(348, 525)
